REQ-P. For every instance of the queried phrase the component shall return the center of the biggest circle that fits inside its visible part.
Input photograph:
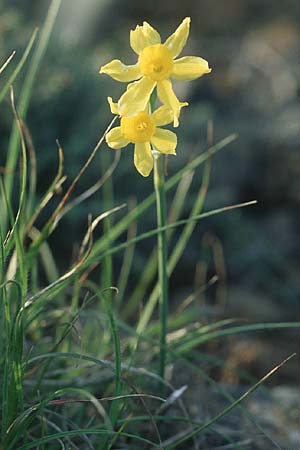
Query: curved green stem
(162, 252)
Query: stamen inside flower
(139, 128)
(156, 62)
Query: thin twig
(2, 68)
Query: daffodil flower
(143, 130)
(156, 64)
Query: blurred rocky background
(253, 47)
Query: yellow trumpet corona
(143, 130)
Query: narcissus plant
(140, 124)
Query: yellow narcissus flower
(143, 131)
(156, 64)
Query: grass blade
(230, 407)
(21, 63)
(26, 92)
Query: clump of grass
(79, 356)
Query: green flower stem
(159, 186)
(162, 252)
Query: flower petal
(177, 40)
(143, 159)
(167, 97)
(189, 68)
(115, 139)
(164, 115)
(136, 97)
(143, 36)
(113, 106)
(120, 72)
(164, 141)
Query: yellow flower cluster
(156, 65)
